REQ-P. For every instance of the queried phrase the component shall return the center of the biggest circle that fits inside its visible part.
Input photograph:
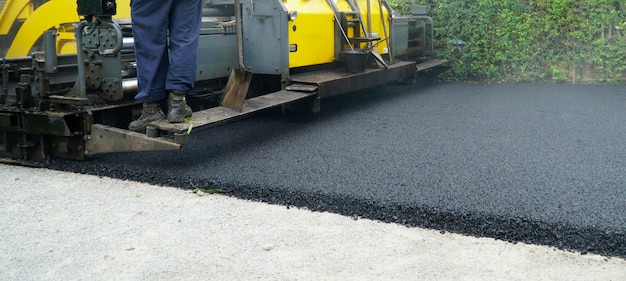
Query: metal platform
(337, 81)
(429, 64)
(322, 83)
(221, 114)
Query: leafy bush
(531, 40)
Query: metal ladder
(353, 20)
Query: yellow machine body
(312, 37)
(22, 24)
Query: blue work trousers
(157, 72)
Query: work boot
(178, 109)
(151, 112)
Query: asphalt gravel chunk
(534, 163)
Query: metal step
(429, 64)
(221, 114)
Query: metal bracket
(104, 139)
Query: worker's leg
(150, 23)
(185, 18)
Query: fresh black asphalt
(535, 163)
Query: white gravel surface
(63, 226)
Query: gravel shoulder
(66, 226)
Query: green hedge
(524, 40)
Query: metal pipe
(239, 27)
(128, 43)
(79, 89)
(390, 43)
(129, 86)
(384, 21)
(369, 20)
(50, 48)
(5, 79)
